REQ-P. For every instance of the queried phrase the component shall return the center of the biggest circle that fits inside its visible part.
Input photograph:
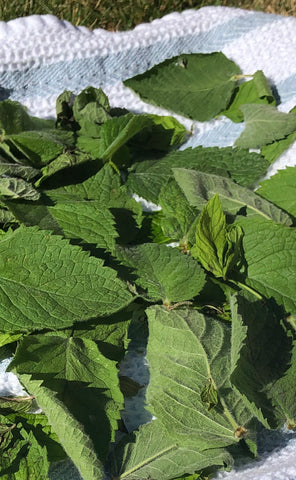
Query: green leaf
(256, 91)
(264, 124)
(196, 350)
(70, 432)
(150, 452)
(217, 245)
(6, 338)
(165, 273)
(198, 86)
(22, 171)
(199, 187)
(86, 382)
(15, 404)
(270, 253)
(148, 177)
(272, 151)
(18, 188)
(63, 161)
(178, 218)
(38, 424)
(265, 363)
(280, 189)
(25, 459)
(90, 108)
(41, 147)
(114, 133)
(15, 119)
(88, 221)
(47, 283)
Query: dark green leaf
(198, 86)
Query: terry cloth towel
(42, 56)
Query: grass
(125, 14)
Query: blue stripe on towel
(40, 80)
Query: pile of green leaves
(83, 270)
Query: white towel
(41, 56)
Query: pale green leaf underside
(281, 190)
(196, 351)
(70, 432)
(47, 283)
(165, 272)
(147, 178)
(264, 124)
(197, 86)
(270, 253)
(199, 187)
(151, 453)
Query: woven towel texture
(41, 56)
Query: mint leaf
(217, 245)
(151, 452)
(264, 124)
(61, 162)
(165, 273)
(199, 187)
(270, 253)
(256, 91)
(198, 86)
(47, 283)
(280, 189)
(70, 432)
(196, 349)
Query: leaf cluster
(204, 282)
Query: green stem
(249, 289)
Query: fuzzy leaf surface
(199, 187)
(264, 124)
(198, 86)
(70, 432)
(47, 283)
(196, 351)
(166, 273)
(270, 253)
(152, 453)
